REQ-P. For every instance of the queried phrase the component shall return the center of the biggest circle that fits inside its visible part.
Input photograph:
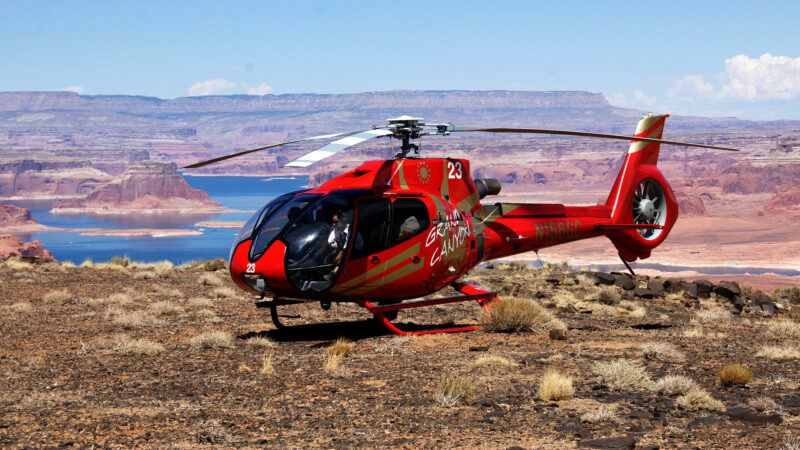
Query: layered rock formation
(785, 203)
(17, 219)
(13, 246)
(147, 187)
(41, 179)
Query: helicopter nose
(265, 275)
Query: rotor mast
(405, 128)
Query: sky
(708, 58)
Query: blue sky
(714, 58)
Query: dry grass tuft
(88, 263)
(784, 329)
(555, 386)
(208, 315)
(662, 351)
(514, 314)
(699, 333)
(622, 375)
(453, 391)
(494, 361)
(127, 346)
(130, 319)
(699, 399)
(21, 307)
(144, 275)
(631, 309)
(60, 296)
(604, 413)
(165, 308)
(341, 346)
(333, 364)
(201, 302)
(224, 292)
(260, 342)
(735, 374)
(209, 279)
(774, 352)
(267, 364)
(214, 265)
(716, 314)
(763, 404)
(244, 368)
(675, 385)
(212, 339)
(17, 264)
(394, 345)
(164, 269)
(113, 299)
(606, 295)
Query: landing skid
(484, 298)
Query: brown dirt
(65, 384)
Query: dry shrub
(68, 264)
(166, 308)
(514, 314)
(494, 361)
(21, 307)
(555, 386)
(698, 332)
(774, 352)
(675, 385)
(144, 275)
(735, 374)
(675, 296)
(209, 279)
(224, 292)
(784, 329)
(164, 269)
(699, 399)
(631, 309)
(214, 265)
(763, 404)
(267, 363)
(453, 391)
(622, 375)
(244, 368)
(128, 346)
(212, 339)
(716, 314)
(113, 299)
(122, 262)
(59, 296)
(603, 413)
(88, 263)
(662, 351)
(606, 295)
(341, 347)
(586, 279)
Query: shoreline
(108, 212)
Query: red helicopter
(404, 228)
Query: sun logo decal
(423, 173)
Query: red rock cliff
(13, 246)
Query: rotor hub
(647, 208)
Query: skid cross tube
(483, 297)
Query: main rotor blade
(233, 155)
(587, 134)
(337, 146)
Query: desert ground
(150, 355)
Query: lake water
(241, 193)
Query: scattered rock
(657, 286)
(728, 290)
(555, 278)
(764, 304)
(558, 335)
(689, 288)
(752, 417)
(795, 312)
(479, 349)
(605, 278)
(644, 293)
(704, 288)
(703, 421)
(612, 442)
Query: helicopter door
(387, 247)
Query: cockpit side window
(374, 220)
(409, 219)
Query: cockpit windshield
(274, 223)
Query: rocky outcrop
(787, 203)
(13, 246)
(16, 219)
(751, 178)
(37, 179)
(690, 205)
(149, 186)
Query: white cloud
(211, 87)
(261, 89)
(768, 77)
(691, 87)
(617, 98)
(642, 99)
(74, 88)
